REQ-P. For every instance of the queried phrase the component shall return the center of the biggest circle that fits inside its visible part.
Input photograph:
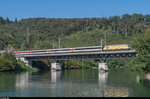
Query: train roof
(63, 48)
(118, 44)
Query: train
(116, 47)
(77, 49)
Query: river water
(75, 83)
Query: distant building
(10, 49)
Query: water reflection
(55, 76)
(74, 83)
(102, 77)
(7, 81)
(137, 78)
(22, 80)
(142, 85)
(110, 90)
(113, 91)
(148, 76)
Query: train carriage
(116, 47)
(75, 50)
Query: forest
(41, 33)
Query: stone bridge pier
(56, 66)
(102, 66)
(27, 62)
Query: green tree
(12, 59)
(142, 63)
(5, 65)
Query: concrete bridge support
(56, 66)
(103, 67)
(27, 62)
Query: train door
(107, 48)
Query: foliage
(11, 58)
(79, 64)
(8, 62)
(43, 32)
(5, 65)
(142, 63)
(74, 32)
(23, 67)
(116, 63)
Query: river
(75, 83)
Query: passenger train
(77, 49)
(117, 47)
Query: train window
(72, 49)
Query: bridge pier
(102, 67)
(56, 66)
(27, 62)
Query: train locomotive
(116, 47)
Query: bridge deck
(77, 53)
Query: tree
(16, 21)
(1, 20)
(7, 20)
(126, 17)
(142, 63)
(11, 58)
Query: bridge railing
(76, 53)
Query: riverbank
(8, 63)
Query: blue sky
(71, 8)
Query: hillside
(43, 32)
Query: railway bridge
(77, 53)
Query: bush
(23, 67)
(5, 65)
(8, 62)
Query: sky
(22, 9)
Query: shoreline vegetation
(78, 32)
(9, 63)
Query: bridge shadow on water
(42, 66)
